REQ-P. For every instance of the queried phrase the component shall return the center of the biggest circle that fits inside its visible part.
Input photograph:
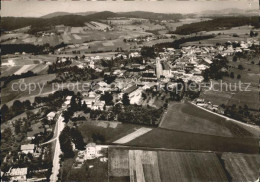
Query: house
(98, 105)
(136, 96)
(134, 55)
(18, 174)
(51, 116)
(29, 148)
(31, 134)
(68, 98)
(90, 151)
(91, 64)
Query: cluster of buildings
(92, 151)
(190, 62)
(209, 106)
(21, 173)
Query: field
(249, 75)
(169, 139)
(242, 30)
(189, 118)
(73, 35)
(163, 166)
(108, 132)
(142, 27)
(242, 167)
(222, 36)
(23, 63)
(103, 46)
(8, 94)
(133, 135)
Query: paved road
(56, 158)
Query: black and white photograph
(130, 91)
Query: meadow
(107, 132)
(249, 75)
(9, 95)
(189, 118)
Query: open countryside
(130, 95)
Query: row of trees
(215, 71)
(29, 48)
(177, 43)
(17, 108)
(8, 79)
(69, 136)
(129, 114)
(241, 113)
(54, 101)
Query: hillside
(151, 15)
(230, 12)
(76, 19)
(217, 24)
(39, 24)
(55, 14)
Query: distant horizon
(23, 8)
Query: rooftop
(27, 147)
(51, 114)
(130, 89)
(18, 171)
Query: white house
(18, 174)
(98, 105)
(136, 96)
(51, 115)
(68, 98)
(29, 148)
(90, 151)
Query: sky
(37, 8)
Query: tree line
(216, 24)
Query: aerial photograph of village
(130, 91)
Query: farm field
(163, 166)
(133, 135)
(153, 42)
(23, 63)
(169, 139)
(189, 118)
(106, 46)
(107, 132)
(9, 95)
(242, 30)
(242, 167)
(217, 39)
(73, 35)
(141, 27)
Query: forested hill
(42, 23)
(217, 24)
(12, 23)
(151, 15)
